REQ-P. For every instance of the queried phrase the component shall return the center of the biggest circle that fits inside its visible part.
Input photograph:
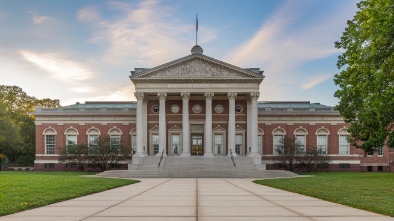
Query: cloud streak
(141, 35)
(59, 67)
(315, 81)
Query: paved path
(194, 199)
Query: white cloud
(59, 67)
(89, 14)
(121, 94)
(83, 89)
(40, 19)
(315, 81)
(146, 33)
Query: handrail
(161, 158)
(232, 158)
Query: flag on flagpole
(196, 23)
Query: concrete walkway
(195, 199)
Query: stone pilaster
(185, 125)
(140, 152)
(208, 125)
(231, 123)
(254, 128)
(162, 124)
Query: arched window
(115, 134)
(343, 141)
(133, 133)
(93, 136)
(300, 135)
(278, 136)
(71, 136)
(322, 137)
(50, 140)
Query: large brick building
(200, 106)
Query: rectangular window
(175, 143)
(92, 144)
(380, 151)
(322, 144)
(301, 139)
(49, 165)
(218, 144)
(71, 140)
(343, 144)
(134, 143)
(155, 143)
(238, 143)
(344, 165)
(278, 147)
(50, 144)
(260, 144)
(115, 144)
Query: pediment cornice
(196, 68)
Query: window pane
(50, 144)
(175, 138)
(260, 143)
(71, 140)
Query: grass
(367, 191)
(26, 190)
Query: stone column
(145, 126)
(185, 125)
(254, 118)
(249, 125)
(231, 123)
(208, 125)
(140, 127)
(162, 124)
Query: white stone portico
(202, 80)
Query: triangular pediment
(197, 66)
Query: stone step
(197, 166)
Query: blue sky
(80, 51)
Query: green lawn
(25, 190)
(368, 191)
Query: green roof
(289, 104)
(103, 105)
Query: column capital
(255, 95)
(185, 96)
(162, 96)
(231, 95)
(139, 95)
(208, 96)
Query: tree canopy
(17, 129)
(366, 79)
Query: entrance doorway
(197, 145)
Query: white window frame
(115, 136)
(155, 143)
(260, 137)
(175, 144)
(322, 132)
(277, 134)
(50, 145)
(380, 151)
(239, 144)
(92, 132)
(343, 146)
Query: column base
(137, 159)
(256, 157)
(208, 154)
(185, 154)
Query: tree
(313, 160)
(75, 154)
(104, 153)
(366, 82)
(17, 106)
(288, 150)
(9, 136)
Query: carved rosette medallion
(196, 109)
(219, 109)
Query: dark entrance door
(197, 144)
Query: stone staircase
(196, 167)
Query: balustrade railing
(232, 158)
(161, 159)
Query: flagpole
(196, 27)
